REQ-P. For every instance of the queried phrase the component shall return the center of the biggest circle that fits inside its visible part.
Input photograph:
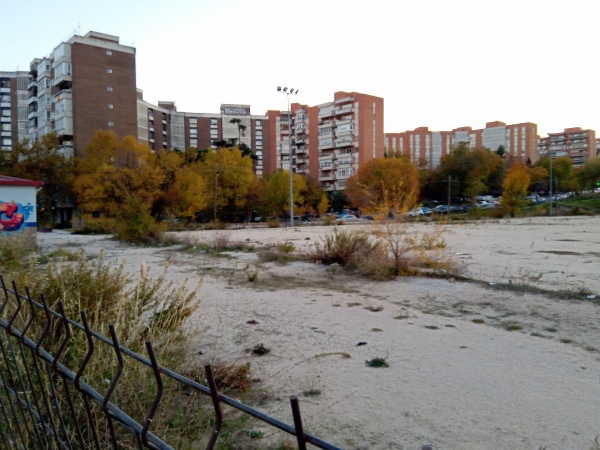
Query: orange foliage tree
(383, 186)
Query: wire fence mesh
(48, 400)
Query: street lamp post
(287, 92)
(550, 156)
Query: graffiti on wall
(14, 216)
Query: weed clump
(260, 350)
(377, 362)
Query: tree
(43, 161)
(589, 174)
(562, 172)
(116, 176)
(187, 195)
(277, 191)
(229, 176)
(515, 188)
(475, 171)
(323, 205)
(384, 185)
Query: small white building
(18, 208)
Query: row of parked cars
(445, 209)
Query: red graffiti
(10, 220)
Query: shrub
(135, 224)
(149, 309)
(341, 247)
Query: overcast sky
(437, 63)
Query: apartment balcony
(301, 160)
(66, 149)
(5, 104)
(63, 80)
(4, 90)
(327, 176)
(326, 112)
(301, 150)
(341, 101)
(328, 135)
(326, 123)
(344, 142)
(346, 109)
(343, 121)
(347, 162)
(300, 140)
(301, 170)
(32, 84)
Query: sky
(442, 64)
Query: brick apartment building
(329, 141)
(426, 148)
(579, 145)
(87, 83)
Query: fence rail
(45, 404)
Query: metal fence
(46, 404)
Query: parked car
(415, 212)
(441, 209)
(427, 211)
(347, 218)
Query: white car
(347, 218)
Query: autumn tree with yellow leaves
(383, 186)
(515, 187)
(122, 180)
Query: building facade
(13, 108)
(350, 134)
(88, 83)
(575, 143)
(426, 148)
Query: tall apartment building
(426, 148)
(87, 83)
(162, 127)
(329, 141)
(350, 134)
(13, 108)
(579, 145)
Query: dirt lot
(509, 359)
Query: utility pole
(449, 196)
(216, 188)
(550, 155)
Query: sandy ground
(485, 364)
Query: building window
(108, 70)
(258, 123)
(109, 89)
(193, 121)
(110, 124)
(108, 52)
(110, 106)
(213, 121)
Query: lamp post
(287, 92)
(550, 156)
